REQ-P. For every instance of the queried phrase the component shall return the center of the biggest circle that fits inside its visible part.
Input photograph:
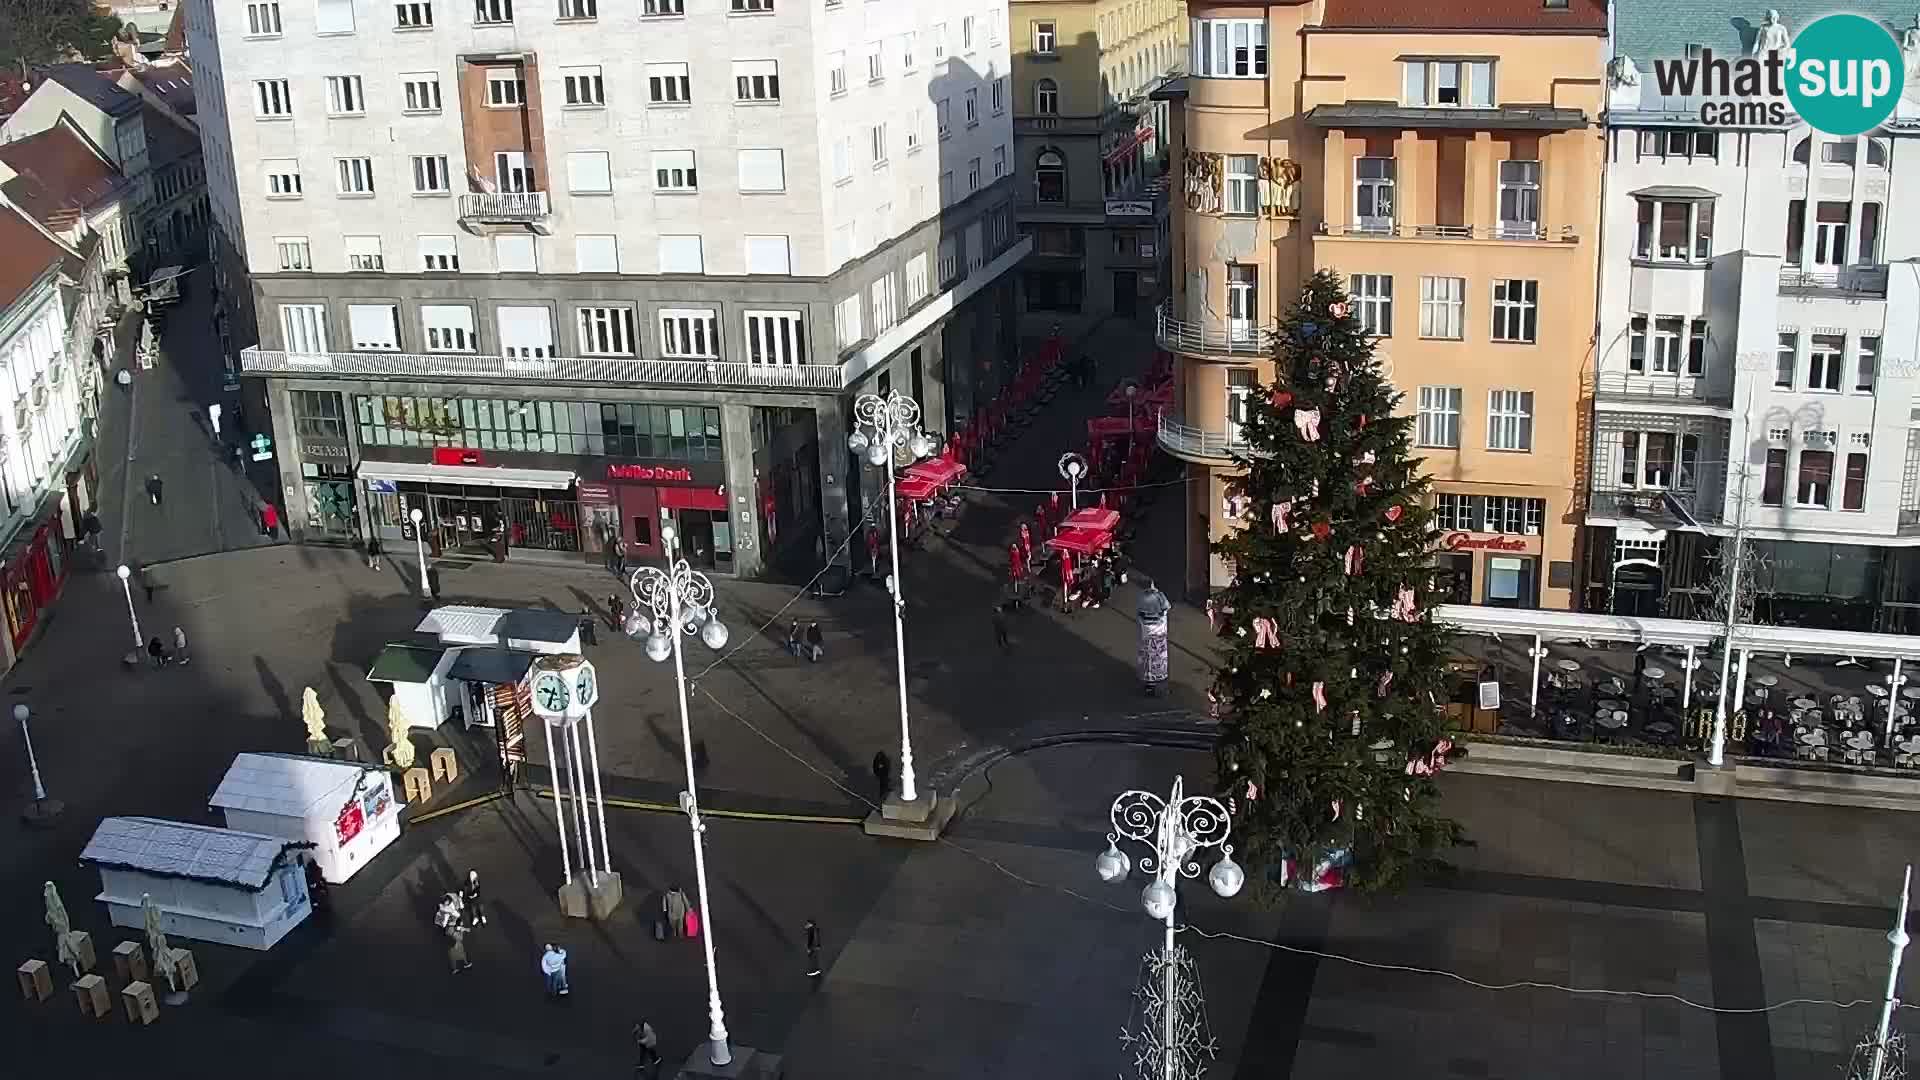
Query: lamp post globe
(1226, 878)
(877, 454)
(414, 515)
(1158, 898)
(124, 572)
(714, 634)
(857, 442)
(659, 647)
(1112, 864)
(21, 712)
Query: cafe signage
(654, 473)
(1463, 541)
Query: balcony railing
(1652, 506)
(560, 369)
(1854, 281)
(1503, 231)
(505, 206)
(1201, 339)
(1187, 441)
(1672, 389)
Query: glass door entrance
(466, 525)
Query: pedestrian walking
(180, 645)
(793, 638)
(646, 1044)
(673, 909)
(813, 950)
(154, 488)
(553, 965)
(616, 611)
(124, 379)
(470, 900)
(882, 773)
(157, 650)
(373, 553)
(90, 525)
(457, 949)
(619, 556)
(815, 649)
(269, 520)
(1000, 628)
(588, 627)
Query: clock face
(550, 693)
(585, 688)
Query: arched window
(1803, 151)
(1046, 97)
(1050, 177)
(1877, 152)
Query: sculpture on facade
(1622, 72)
(1203, 173)
(1910, 47)
(1772, 35)
(1279, 187)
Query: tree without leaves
(1329, 647)
(38, 32)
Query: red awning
(1101, 427)
(917, 488)
(1081, 541)
(692, 498)
(939, 471)
(1093, 519)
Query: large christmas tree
(1332, 684)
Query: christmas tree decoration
(1329, 449)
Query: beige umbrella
(163, 962)
(62, 929)
(311, 714)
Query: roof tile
(25, 254)
(59, 176)
(1578, 17)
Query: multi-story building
(1447, 161)
(1758, 320)
(559, 270)
(1089, 146)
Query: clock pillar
(565, 690)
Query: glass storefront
(329, 491)
(470, 519)
(570, 428)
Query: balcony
(1198, 339)
(1198, 444)
(1653, 507)
(1056, 125)
(1852, 282)
(1625, 387)
(1505, 231)
(560, 369)
(504, 208)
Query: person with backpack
(815, 649)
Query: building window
(303, 328)
(1773, 487)
(1516, 306)
(966, 33)
(1044, 38)
(374, 327)
(673, 171)
(1813, 485)
(492, 11)
(596, 253)
(1868, 365)
(363, 253)
(939, 42)
(422, 90)
(689, 333)
(1230, 48)
(584, 86)
(1667, 344)
(449, 328)
(272, 98)
(590, 172)
(1510, 420)
(579, 9)
(1046, 98)
(506, 88)
(949, 264)
(877, 144)
(971, 107)
(1697, 348)
(1438, 417)
(439, 253)
(876, 62)
(606, 331)
(885, 310)
(430, 174)
(997, 96)
(344, 96)
(333, 16)
(909, 55)
(353, 176)
(842, 160)
(526, 334)
(1050, 177)
(1520, 199)
(681, 254)
(1373, 194)
(1447, 83)
(836, 73)
(263, 19)
(1675, 231)
(283, 178)
(917, 285)
(756, 80)
(768, 255)
(516, 255)
(940, 118)
(999, 162)
(1826, 355)
(1853, 495)
(1373, 302)
(846, 321)
(973, 175)
(1684, 143)
(776, 338)
(1443, 307)
(662, 8)
(1786, 360)
(316, 413)
(668, 84)
(1870, 232)
(1242, 184)
(413, 14)
(1243, 302)
(1647, 460)
(1240, 389)
(295, 254)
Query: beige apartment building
(1447, 160)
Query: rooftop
(1662, 29)
(1468, 16)
(288, 785)
(25, 254)
(169, 81)
(94, 88)
(226, 857)
(59, 176)
(167, 141)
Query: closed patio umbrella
(62, 929)
(163, 962)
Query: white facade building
(752, 203)
(1759, 323)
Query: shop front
(1494, 569)
(326, 465)
(34, 569)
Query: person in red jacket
(1016, 568)
(269, 520)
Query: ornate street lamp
(1072, 468)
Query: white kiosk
(345, 809)
(433, 683)
(209, 883)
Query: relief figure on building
(1203, 174)
(1279, 187)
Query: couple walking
(810, 645)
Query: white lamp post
(1175, 829)
(1073, 467)
(882, 426)
(420, 544)
(126, 586)
(42, 811)
(680, 600)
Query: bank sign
(1842, 74)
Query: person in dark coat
(673, 908)
(617, 611)
(1000, 628)
(793, 638)
(154, 487)
(470, 900)
(813, 950)
(157, 649)
(882, 772)
(646, 1043)
(814, 642)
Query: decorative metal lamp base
(925, 818)
(747, 1064)
(580, 900)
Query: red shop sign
(453, 455)
(1461, 541)
(655, 473)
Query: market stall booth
(416, 676)
(208, 883)
(345, 809)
